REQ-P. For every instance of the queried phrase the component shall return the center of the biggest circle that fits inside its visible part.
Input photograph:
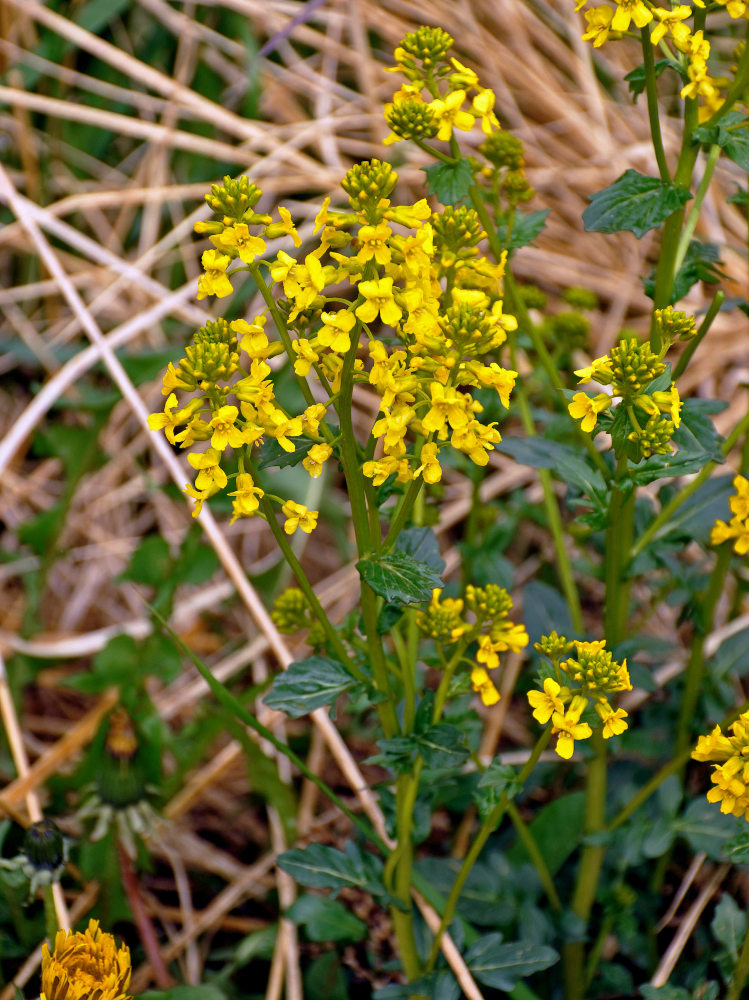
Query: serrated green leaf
(421, 544)
(449, 182)
(326, 919)
(731, 135)
(399, 578)
(322, 867)
(633, 202)
(309, 684)
(525, 228)
(443, 745)
(729, 926)
(502, 965)
(273, 456)
(701, 263)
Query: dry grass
(90, 257)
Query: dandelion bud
(44, 851)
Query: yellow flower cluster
(628, 369)
(480, 618)
(667, 27)
(731, 772)
(737, 528)
(85, 965)
(590, 676)
(455, 97)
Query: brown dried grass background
(96, 287)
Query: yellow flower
(373, 240)
(316, 456)
(379, 299)
(288, 226)
(586, 409)
(548, 702)
(739, 502)
(430, 468)
(239, 239)
(336, 329)
(210, 474)
(225, 430)
(85, 965)
(630, 10)
(450, 115)
(613, 721)
(598, 370)
(483, 105)
(297, 516)
(246, 497)
(568, 728)
(599, 25)
(670, 20)
(214, 281)
(484, 686)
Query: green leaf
(399, 578)
(565, 462)
(150, 562)
(701, 263)
(41, 532)
(729, 926)
(436, 986)
(557, 831)
(322, 867)
(665, 993)
(273, 455)
(697, 515)
(634, 202)
(502, 965)
(421, 544)
(525, 228)
(324, 979)
(449, 182)
(731, 135)
(443, 745)
(636, 77)
(309, 684)
(706, 828)
(326, 919)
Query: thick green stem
(651, 92)
(487, 828)
(696, 208)
(399, 871)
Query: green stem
(694, 212)
(402, 512)
(51, 926)
(487, 828)
(651, 91)
(741, 971)
(401, 865)
(684, 494)
(697, 339)
(535, 855)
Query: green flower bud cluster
(442, 621)
(208, 362)
(532, 296)
(654, 438)
(469, 329)
(489, 603)
(367, 184)
(570, 329)
(457, 232)
(217, 332)
(235, 199)
(672, 324)
(516, 187)
(412, 119)
(553, 646)
(595, 671)
(426, 46)
(503, 149)
(580, 298)
(291, 612)
(633, 367)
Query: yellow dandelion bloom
(84, 965)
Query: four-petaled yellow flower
(315, 458)
(85, 965)
(214, 281)
(239, 239)
(484, 686)
(548, 702)
(246, 497)
(630, 10)
(585, 408)
(297, 516)
(379, 299)
(568, 728)
(450, 115)
(210, 474)
(336, 329)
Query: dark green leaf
(436, 986)
(307, 685)
(732, 657)
(706, 828)
(273, 455)
(557, 831)
(665, 993)
(398, 577)
(500, 776)
(502, 965)
(697, 515)
(41, 532)
(326, 919)
(322, 867)
(701, 263)
(421, 544)
(565, 462)
(442, 745)
(731, 135)
(633, 202)
(150, 562)
(525, 228)
(324, 979)
(449, 182)
(636, 78)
